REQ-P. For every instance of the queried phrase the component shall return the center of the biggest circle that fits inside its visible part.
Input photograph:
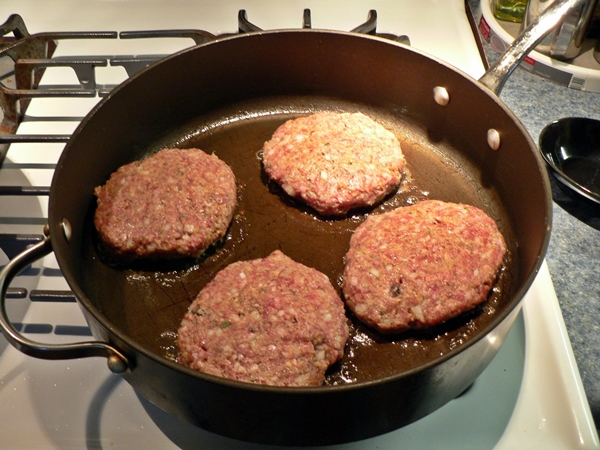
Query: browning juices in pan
(147, 301)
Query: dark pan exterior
(298, 71)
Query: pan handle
(498, 73)
(117, 362)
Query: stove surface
(529, 397)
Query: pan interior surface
(147, 301)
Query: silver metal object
(498, 73)
(67, 230)
(493, 139)
(117, 362)
(566, 40)
(441, 95)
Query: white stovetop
(531, 395)
(446, 21)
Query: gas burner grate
(25, 57)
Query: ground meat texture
(334, 161)
(420, 265)
(174, 203)
(268, 321)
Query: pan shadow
(94, 415)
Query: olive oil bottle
(510, 10)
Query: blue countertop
(573, 255)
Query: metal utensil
(566, 40)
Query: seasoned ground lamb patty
(334, 161)
(174, 203)
(420, 265)
(268, 321)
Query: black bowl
(571, 147)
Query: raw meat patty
(420, 265)
(269, 321)
(174, 203)
(334, 161)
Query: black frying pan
(228, 97)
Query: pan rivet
(441, 96)
(116, 364)
(66, 227)
(493, 138)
